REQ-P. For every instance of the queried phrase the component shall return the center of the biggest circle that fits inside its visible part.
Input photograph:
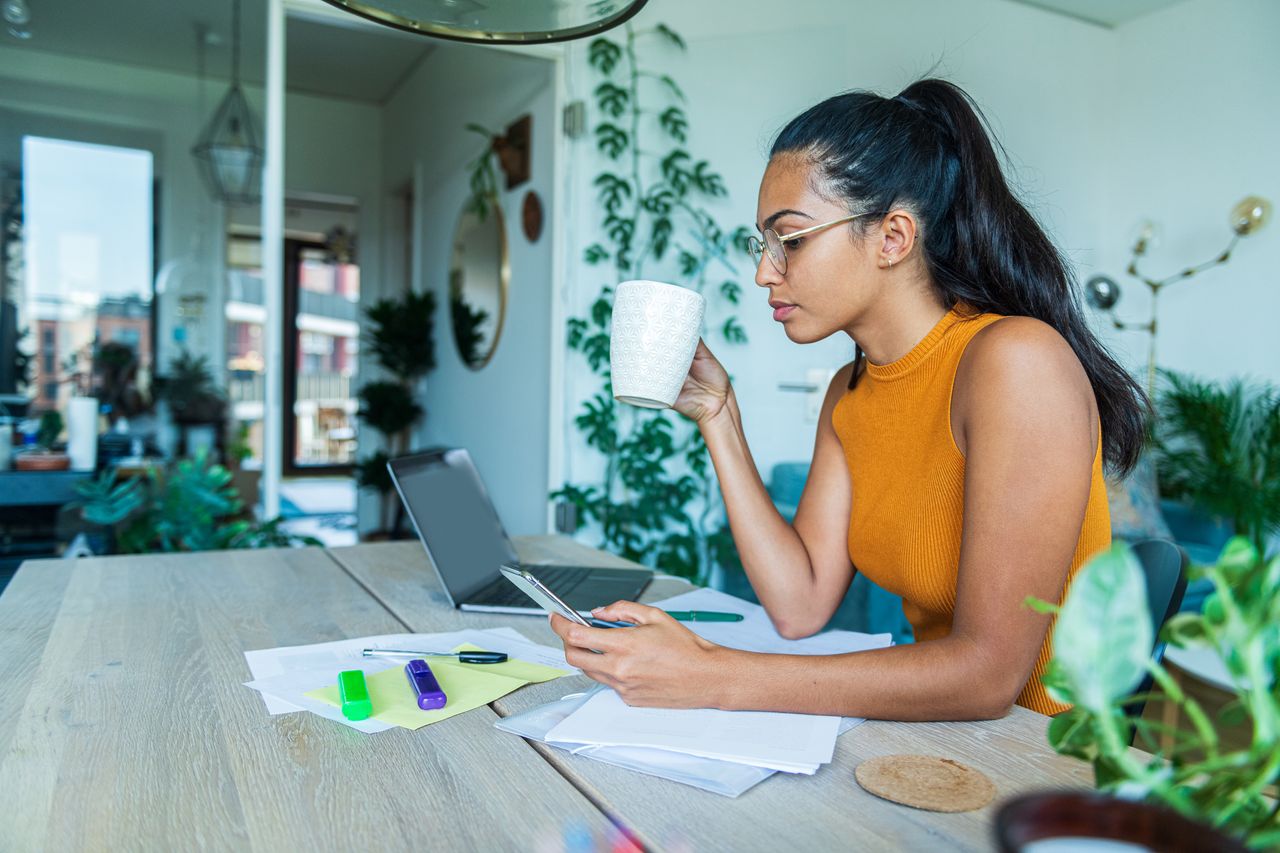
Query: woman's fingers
(630, 611)
(573, 634)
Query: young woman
(959, 457)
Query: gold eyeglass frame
(760, 247)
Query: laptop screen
(456, 521)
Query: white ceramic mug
(655, 334)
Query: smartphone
(545, 598)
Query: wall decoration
(531, 216)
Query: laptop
(465, 542)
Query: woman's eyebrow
(768, 223)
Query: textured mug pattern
(655, 334)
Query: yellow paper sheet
(466, 685)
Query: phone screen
(543, 597)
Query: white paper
(755, 633)
(335, 656)
(283, 675)
(290, 689)
(794, 743)
(726, 778)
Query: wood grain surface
(826, 811)
(124, 723)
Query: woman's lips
(780, 312)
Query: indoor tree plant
(191, 391)
(1217, 448)
(1102, 643)
(401, 337)
(656, 501)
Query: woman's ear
(897, 238)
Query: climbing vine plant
(657, 502)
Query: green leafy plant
(238, 451)
(657, 501)
(401, 337)
(1218, 447)
(191, 391)
(1102, 649)
(483, 175)
(191, 506)
(49, 430)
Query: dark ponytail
(929, 149)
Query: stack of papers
(792, 743)
(304, 678)
(725, 752)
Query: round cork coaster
(926, 782)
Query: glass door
(322, 341)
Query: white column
(273, 263)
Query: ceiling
(1106, 13)
(324, 54)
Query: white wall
(499, 413)
(751, 66)
(1194, 127)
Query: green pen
(680, 615)
(704, 616)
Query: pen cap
(424, 684)
(354, 693)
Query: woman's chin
(801, 333)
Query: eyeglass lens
(771, 246)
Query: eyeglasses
(773, 242)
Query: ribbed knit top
(908, 485)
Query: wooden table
(123, 724)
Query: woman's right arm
(800, 571)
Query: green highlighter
(356, 704)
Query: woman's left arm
(1024, 416)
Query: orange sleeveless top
(908, 486)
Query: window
(87, 276)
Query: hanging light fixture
(497, 21)
(229, 151)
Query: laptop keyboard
(561, 580)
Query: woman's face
(830, 276)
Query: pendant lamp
(497, 21)
(229, 151)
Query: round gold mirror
(479, 275)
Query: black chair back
(1164, 567)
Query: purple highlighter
(423, 681)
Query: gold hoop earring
(890, 263)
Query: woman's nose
(767, 274)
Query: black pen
(463, 657)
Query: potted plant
(1102, 645)
(401, 337)
(44, 456)
(195, 401)
(1217, 449)
(190, 506)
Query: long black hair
(929, 149)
